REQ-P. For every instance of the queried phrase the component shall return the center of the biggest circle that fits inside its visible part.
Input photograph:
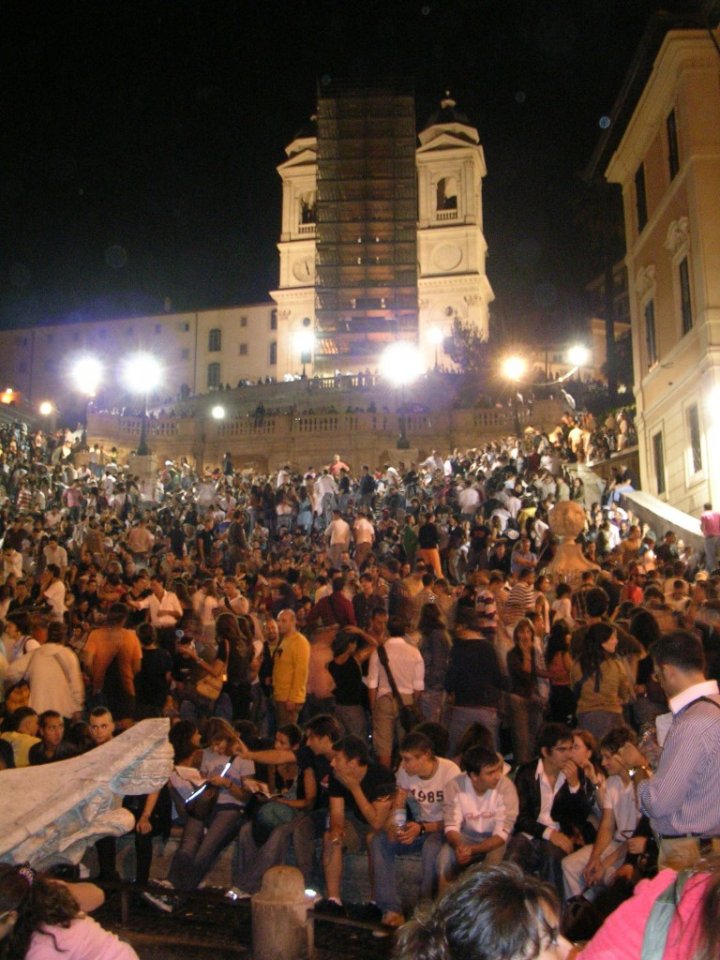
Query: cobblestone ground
(214, 931)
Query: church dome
(448, 113)
(451, 121)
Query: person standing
(681, 798)
(338, 535)
(364, 533)
(710, 526)
(428, 543)
(408, 670)
(290, 670)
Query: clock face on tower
(304, 269)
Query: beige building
(198, 352)
(667, 162)
(381, 238)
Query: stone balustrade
(268, 441)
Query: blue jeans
(384, 852)
(201, 845)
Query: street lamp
(86, 374)
(513, 369)
(436, 337)
(46, 408)
(218, 412)
(305, 344)
(401, 364)
(141, 374)
(578, 356)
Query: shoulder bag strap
(384, 660)
(661, 918)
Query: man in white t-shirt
(597, 863)
(475, 814)
(421, 780)
(53, 592)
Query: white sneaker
(235, 893)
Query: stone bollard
(281, 929)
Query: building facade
(668, 165)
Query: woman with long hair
(650, 699)
(40, 919)
(559, 664)
(601, 681)
(435, 650)
(204, 839)
(526, 703)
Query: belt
(685, 836)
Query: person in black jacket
(473, 681)
(553, 807)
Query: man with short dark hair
(552, 806)
(52, 746)
(681, 799)
(477, 822)
(421, 781)
(360, 799)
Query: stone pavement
(212, 930)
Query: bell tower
(294, 347)
(452, 282)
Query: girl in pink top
(41, 920)
(621, 936)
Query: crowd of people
(373, 660)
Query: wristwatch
(422, 830)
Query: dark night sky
(140, 139)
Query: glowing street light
(86, 374)
(514, 369)
(305, 344)
(46, 408)
(578, 355)
(218, 412)
(436, 337)
(141, 374)
(401, 364)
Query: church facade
(381, 239)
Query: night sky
(140, 139)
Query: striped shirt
(682, 797)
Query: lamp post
(142, 374)
(401, 364)
(436, 337)
(514, 368)
(305, 344)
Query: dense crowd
(371, 660)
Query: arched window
(307, 207)
(447, 194)
(215, 340)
